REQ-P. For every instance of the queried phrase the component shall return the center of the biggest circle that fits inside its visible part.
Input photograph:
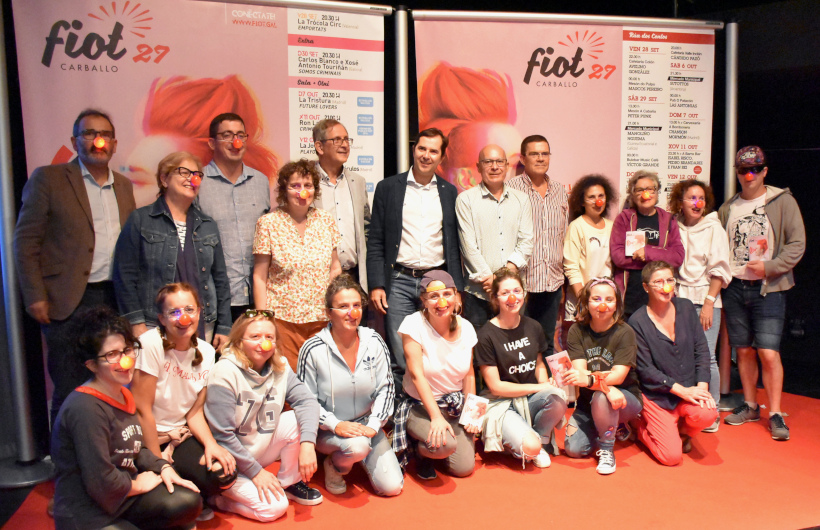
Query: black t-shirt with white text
(513, 351)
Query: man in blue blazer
(413, 229)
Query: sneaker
(425, 469)
(686, 443)
(729, 402)
(542, 460)
(714, 427)
(334, 481)
(301, 493)
(778, 427)
(623, 432)
(206, 514)
(606, 462)
(742, 414)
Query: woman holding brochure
(524, 406)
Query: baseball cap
(437, 280)
(750, 156)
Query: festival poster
(162, 69)
(563, 81)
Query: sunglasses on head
(250, 313)
(753, 169)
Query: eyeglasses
(505, 294)
(114, 356)
(174, 314)
(188, 174)
(658, 284)
(299, 187)
(491, 163)
(544, 154)
(250, 313)
(91, 134)
(438, 295)
(227, 136)
(339, 140)
(746, 170)
(351, 308)
(651, 189)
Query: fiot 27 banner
(610, 100)
(164, 68)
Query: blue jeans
(402, 300)
(547, 408)
(598, 429)
(712, 340)
(376, 455)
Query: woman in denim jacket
(172, 241)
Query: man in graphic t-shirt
(766, 240)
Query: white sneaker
(606, 462)
(206, 514)
(542, 460)
(334, 481)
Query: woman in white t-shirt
(169, 390)
(438, 345)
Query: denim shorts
(752, 319)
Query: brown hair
(159, 304)
(680, 189)
(277, 360)
(321, 128)
(630, 186)
(584, 316)
(303, 168)
(341, 283)
(499, 276)
(533, 139)
(170, 163)
(432, 132)
(453, 315)
(579, 190)
(652, 267)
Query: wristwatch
(711, 298)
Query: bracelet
(711, 298)
(591, 380)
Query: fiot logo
(550, 62)
(365, 160)
(364, 130)
(364, 119)
(364, 101)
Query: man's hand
(379, 299)
(39, 312)
(758, 268)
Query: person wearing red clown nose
(767, 239)
(235, 196)
(603, 352)
(169, 391)
(705, 270)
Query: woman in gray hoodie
(347, 367)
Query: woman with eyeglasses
(247, 391)
(295, 258)
(106, 476)
(586, 245)
(438, 346)
(347, 367)
(524, 406)
(705, 270)
(172, 241)
(603, 352)
(169, 391)
(673, 368)
(656, 226)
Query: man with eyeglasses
(235, 196)
(344, 196)
(767, 239)
(544, 275)
(495, 230)
(68, 225)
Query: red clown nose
(99, 142)
(700, 204)
(304, 194)
(355, 313)
(668, 288)
(196, 180)
(237, 143)
(646, 195)
(749, 176)
(512, 299)
(185, 319)
(126, 362)
(266, 345)
(602, 307)
(600, 202)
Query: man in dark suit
(64, 241)
(413, 229)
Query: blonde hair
(630, 186)
(170, 163)
(277, 361)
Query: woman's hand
(576, 377)
(266, 484)
(472, 429)
(706, 314)
(145, 482)
(437, 436)
(367, 431)
(169, 477)
(616, 398)
(307, 461)
(220, 454)
(639, 254)
(349, 429)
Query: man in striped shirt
(494, 229)
(544, 275)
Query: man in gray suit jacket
(344, 195)
(64, 241)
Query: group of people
(176, 341)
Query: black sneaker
(301, 493)
(425, 469)
(729, 402)
(778, 427)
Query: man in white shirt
(344, 195)
(495, 230)
(413, 230)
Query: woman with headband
(347, 367)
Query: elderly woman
(661, 233)
(172, 241)
(673, 368)
(295, 258)
(347, 367)
(438, 345)
(705, 270)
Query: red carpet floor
(737, 478)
